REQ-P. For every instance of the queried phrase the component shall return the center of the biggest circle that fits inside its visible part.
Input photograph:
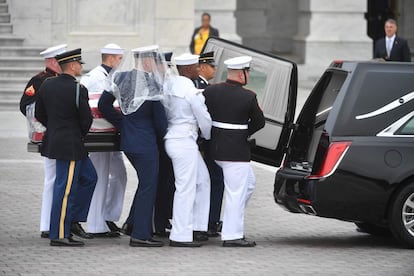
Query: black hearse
(350, 154)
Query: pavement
(288, 244)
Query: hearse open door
(275, 82)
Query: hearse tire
(401, 216)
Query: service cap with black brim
(70, 56)
(207, 58)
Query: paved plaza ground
(288, 244)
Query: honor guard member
(28, 98)
(108, 197)
(236, 115)
(137, 85)
(165, 191)
(62, 106)
(187, 113)
(207, 71)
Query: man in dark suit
(202, 33)
(62, 106)
(236, 115)
(392, 47)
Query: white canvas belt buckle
(229, 126)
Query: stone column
(330, 30)
(267, 25)
(222, 17)
(406, 22)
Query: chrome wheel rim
(408, 214)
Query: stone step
(6, 28)
(11, 93)
(4, 18)
(10, 99)
(13, 82)
(4, 8)
(9, 105)
(21, 62)
(10, 40)
(23, 72)
(20, 51)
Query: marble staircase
(18, 63)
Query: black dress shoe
(66, 242)
(76, 229)
(200, 236)
(109, 234)
(112, 226)
(126, 229)
(214, 229)
(44, 234)
(239, 243)
(145, 243)
(184, 244)
(212, 234)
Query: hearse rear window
(407, 129)
(330, 85)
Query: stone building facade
(309, 31)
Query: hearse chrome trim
(323, 111)
(394, 127)
(393, 105)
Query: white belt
(184, 126)
(229, 126)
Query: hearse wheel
(401, 216)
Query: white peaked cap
(54, 51)
(238, 62)
(112, 49)
(186, 59)
(150, 48)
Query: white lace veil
(139, 78)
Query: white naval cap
(238, 63)
(112, 49)
(54, 51)
(186, 59)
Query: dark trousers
(165, 192)
(140, 215)
(72, 194)
(217, 185)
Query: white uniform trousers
(97, 216)
(49, 167)
(192, 195)
(239, 183)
